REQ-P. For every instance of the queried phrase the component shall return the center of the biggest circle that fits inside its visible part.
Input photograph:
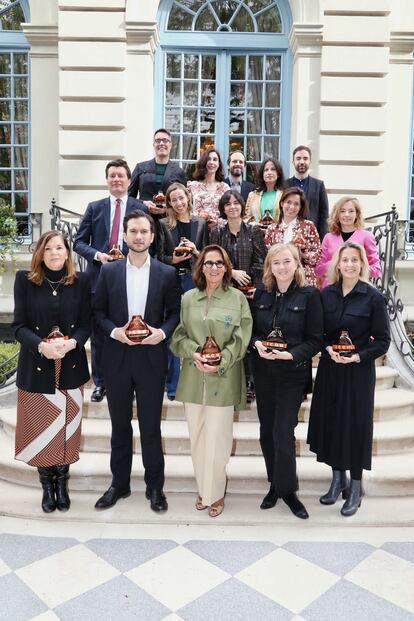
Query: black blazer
(169, 239)
(318, 204)
(94, 231)
(246, 187)
(32, 322)
(143, 179)
(299, 315)
(110, 307)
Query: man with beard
(236, 163)
(314, 189)
(137, 285)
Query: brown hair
(225, 199)
(201, 166)
(37, 274)
(280, 181)
(303, 211)
(333, 221)
(269, 280)
(198, 274)
(171, 217)
(301, 147)
(334, 275)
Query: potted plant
(8, 234)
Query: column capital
(43, 40)
(306, 39)
(402, 47)
(142, 37)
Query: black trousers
(135, 378)
(97, 343)
(279, 389)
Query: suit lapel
(123, 298)
(153, 284)
(312, 192)
(107, 216)
(194, 229)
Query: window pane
(11, 19)
(237, 98)
(271, 148)
(172, 119)
(20, 180)
(7, 197)
(206, 142)
(236, 143)
(5, 157)
(272, 118)
(20, 110)
(225, 9)
(5, 180)
(273, 67)
(175, 149)
(256, 5)
(208, 94)
(21, 157)
(207, 121)
(173, 65)
(190, 147)
(21, 134)
(254, 150)
(5, 111)
(173, 93)
(251, 170)
(21, 202)
(5, 63)
(191, 66)
(255, 71)
(269, 21)
(254, 95)
(242, 22)
(20, 87)
(189, 169)
(272, 95)
(206, 21)
(179, 19)
(4, 87)
(236, 122)
(238, 67)
(20, 63)
(5, 134)
(190, 121)
(208, 68)
(191, 93)
(254, 121)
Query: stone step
(391, 474)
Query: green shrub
(6, 351)
(8, 234)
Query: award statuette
(266, 220)
(55, 335)
(182, 250)
(137, 330)
(115, 253)
(159, 200)
(344, 346)
(211, 351)
(248, 290)
(275, 341)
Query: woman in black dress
(341, 417)
(51, 372)
(286, 305)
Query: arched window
(225, 70)
(14, 109)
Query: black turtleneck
(54, 300)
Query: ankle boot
(353, 502)
(270, 499)
(46, 476)
(339, 484)
(61, 487)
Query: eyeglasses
(162, 140)
(210, 264)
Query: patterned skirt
(48, 427)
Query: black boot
(353, 502)
(46, 476)
(339, 484)
(270, 499)
(61, 487)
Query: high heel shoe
(353, 502)
(339, 484)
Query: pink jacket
(331, 243)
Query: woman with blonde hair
(341, 416)
(346, 223)
(292, 311)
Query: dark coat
(110, 306)
(33, 322)
(341, 417)
(169, 239)
(143, 179)
(318, 204)
(94, 231)
(246, 187)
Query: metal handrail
(69, 228)
(8, 375)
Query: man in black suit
(314, 189)
(100, 228)
(137, 285)
(236, 163)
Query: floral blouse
(306, 238)
(205, 203)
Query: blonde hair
(171, 216)
(334, 275)
(269, 280)
(333, 220)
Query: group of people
(236, 285)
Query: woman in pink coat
(346, 223)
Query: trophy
(266, 220)
(275, 341)
(116, 253)
(344, 346)
(55, 335)
(248, 289)
(211, 351)
(137, 330)
(182, 250)
(159, 200)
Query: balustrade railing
(69, 227)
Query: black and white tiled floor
(120, 573)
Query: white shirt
(288, 230)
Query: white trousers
(211, 438)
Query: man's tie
(113, 239)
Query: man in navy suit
(137, 285)
(314, 189)
(100, 228)
(236, 163)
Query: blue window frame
(226, 78)
(14, 111)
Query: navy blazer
(318, 204)
(162, 310)
(94, 231)
(143, 179)
(246, 187)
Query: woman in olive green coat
(211, 392)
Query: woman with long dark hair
(270, 183)
(208, 186)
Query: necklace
(54, 282)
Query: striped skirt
(48, 427)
